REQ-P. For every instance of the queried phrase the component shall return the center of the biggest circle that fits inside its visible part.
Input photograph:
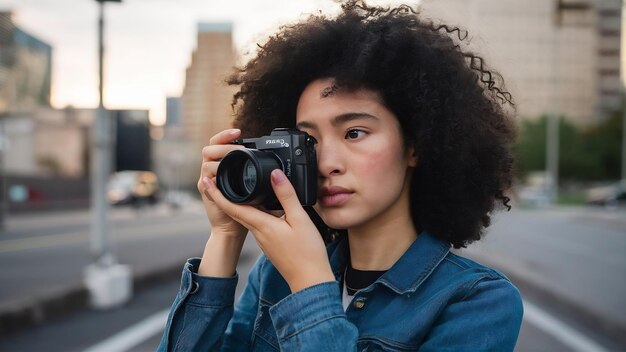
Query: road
(574, 258)
(49, 251)
(44, 254)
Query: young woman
(413, 154)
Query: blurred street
(76, 139)
(45, 254)
(44, 257)
(568, 263)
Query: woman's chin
(335, 221)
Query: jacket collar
(407, 274)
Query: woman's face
(362, 163)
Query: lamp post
(552, 128)
(3, 177)
(108, 283)
(100, 161)
(623, 179)
(623, 173)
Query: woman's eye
(354, 134)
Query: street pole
(3, 176)
(552, 156)
(552, 128)
(623, 74)
(109, 283)
(623, 181)
(100, 165)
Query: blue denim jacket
(431, 299)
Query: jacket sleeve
(313, 319)
(488, 318)
(201, 317)
(239, 331)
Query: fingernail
(207, 182)
(278, 176)
(234, 131)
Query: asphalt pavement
(574, 258)
(43, 257)
(571, 257)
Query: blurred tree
(530, 149)
(585, 154)
(577, 161)
(604, 142)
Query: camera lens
(243, 176)
(249, 176)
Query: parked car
(610, 195)
(533, 196)
(133, 187)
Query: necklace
(351, 291)
(359, 278)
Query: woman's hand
(291, 242)
(221, 223)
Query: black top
(359, 279)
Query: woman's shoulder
(474, 277)
(464, 265)
(473, 295)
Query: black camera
(243, 175)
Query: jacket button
(358, 304)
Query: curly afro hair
(452, 109)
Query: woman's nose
(329, 160)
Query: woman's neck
(377, 246)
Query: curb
(573, 310)
(17, 316)
(28, 313)
(36, 311)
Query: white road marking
(134, 335)
(559, 330)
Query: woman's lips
(334, 196)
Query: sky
(148, 43)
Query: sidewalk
(49, 305)
(43, 258)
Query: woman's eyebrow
(338, 120)
(306, 124)
(351, 116)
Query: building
(558, 56)
(173, 111)
(25, 69)
(177, 161)
(206, 98)
(56, 142)
(46, 142)
(176, 157)
(132, 149)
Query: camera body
(243, 176)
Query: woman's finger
(218, 151)
(287, 196)
(276, 213)
(246, 215)
(209, 169)
(225, 136)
